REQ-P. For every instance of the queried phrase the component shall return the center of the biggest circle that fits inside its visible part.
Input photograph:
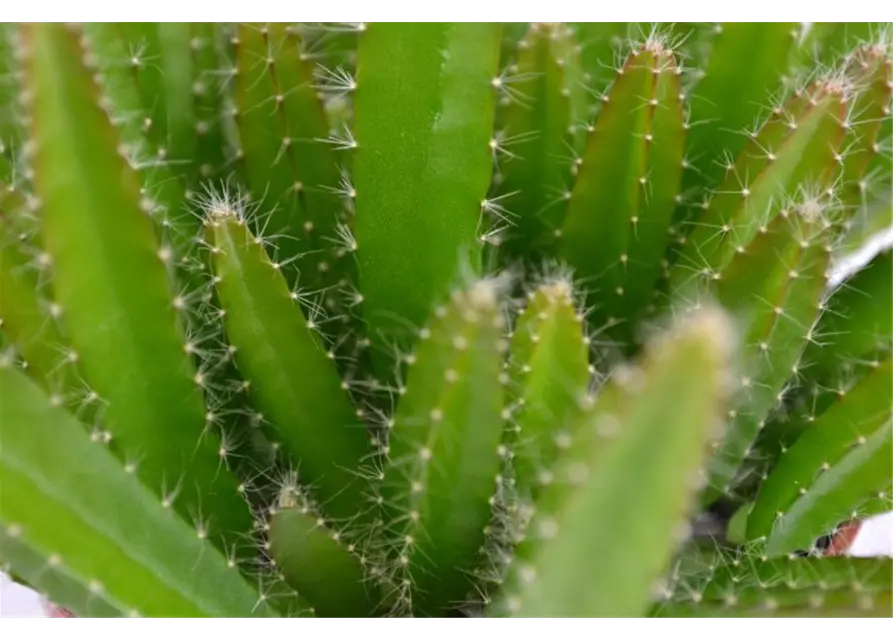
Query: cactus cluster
(444, 319)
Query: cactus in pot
(425, 320)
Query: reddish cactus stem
(843, 540)
(53, 611)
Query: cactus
(404, 320)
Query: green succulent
(444, 319)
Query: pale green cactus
(366, 320)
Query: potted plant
(444, 319)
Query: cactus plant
(368, 320)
